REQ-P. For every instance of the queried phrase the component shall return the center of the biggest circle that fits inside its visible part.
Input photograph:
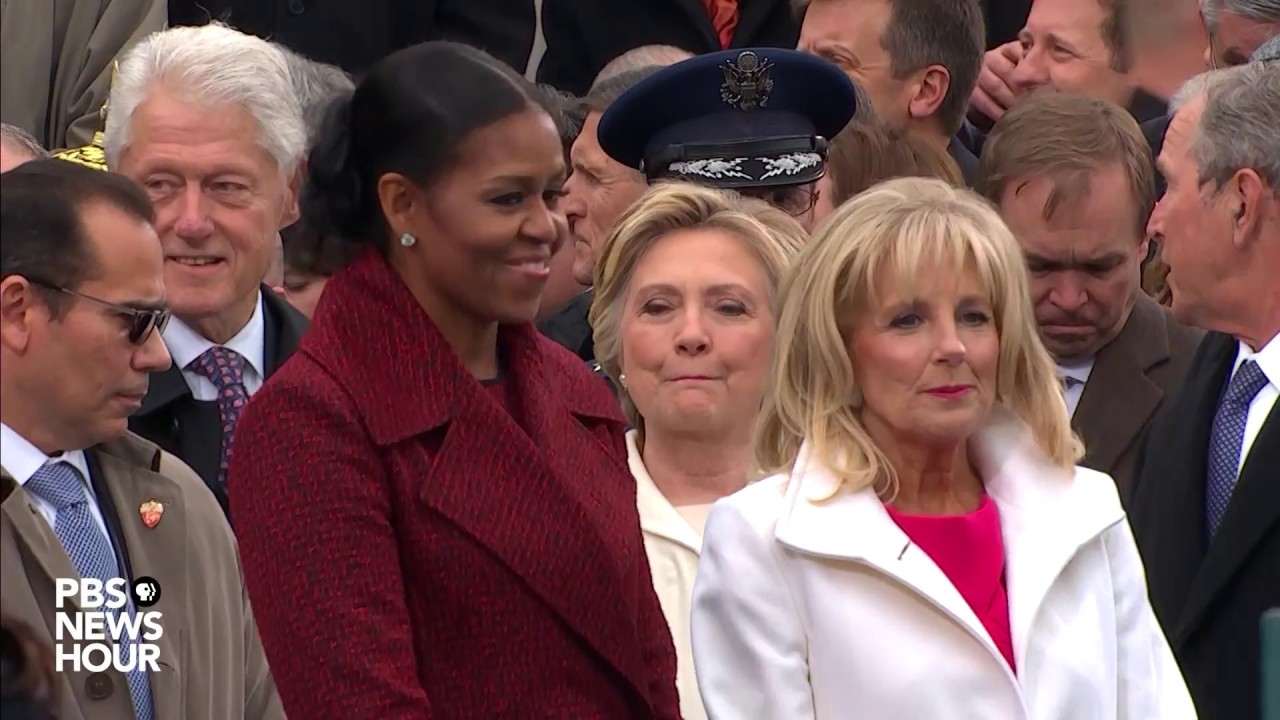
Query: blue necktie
(60, 485)
(1226, 439)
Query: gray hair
(19, 139)
(641, 57)
(317, 85)
(603, 94)
(210, 65)
(1237, 129)
(1269, 51)
(1266, 11)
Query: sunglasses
(141, 322)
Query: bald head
(641, 57)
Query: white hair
(641, 57)
(1237, 129)
(317, 85)
(1266, 11)
(210, 65)
(1268, 51)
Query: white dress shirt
(185, 345)
(22, 459)
(1268, 359)
(1080, 374)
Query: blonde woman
(927, 547)
(684, 322)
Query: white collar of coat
(657, 515)
(1046, 515)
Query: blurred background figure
(27, 681)
(926, 514)
(683, 317)
(756, 121)
(1237, 28)
(918, 60)
(55, 67)
(1206, 505)
(1073, 178)
(645, 56)
(356, 34)
(425, 417)
(18, 146)
(310, 259)
(583, 36)
(869, 152)
(223, 176)
(568, 113)
(1168, 39)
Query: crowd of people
(771, 360)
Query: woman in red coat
(432, 500)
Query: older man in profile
(207, 121)
(1206, 504)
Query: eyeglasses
(795, 201)
(141, 322)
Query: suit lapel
(751, 16)
(1253, 511)
(1119, 398)
(38, 542)
(697, 13)
(283, 328)
(158, 552)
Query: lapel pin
(151, 511)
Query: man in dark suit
(223, 177)
(1073, 178)
(1205, 508)
(355, 34)
(584, 35)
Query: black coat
(1210, 599)
(355, 34)
(584, 35)
(192, 429)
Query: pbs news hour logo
(107, 625)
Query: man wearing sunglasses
(82, 305)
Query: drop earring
(408, 240)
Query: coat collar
(1120, 398)
(420, 358)
(130, 473)
(657, 515)
(1046, 515)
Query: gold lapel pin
(151, 511)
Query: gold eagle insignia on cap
(747, 82)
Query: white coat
(672, 546)
(825, 610)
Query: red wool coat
(413, 552)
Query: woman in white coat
(683, 320)
(927, 547)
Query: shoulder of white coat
(758, 504)
(1095, 492)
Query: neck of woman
(696, 470)
(933, 479)
(473, 339)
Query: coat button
(297, 7)
(99, 686)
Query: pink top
(969, 549)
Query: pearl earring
(622, 379)
(408, 240)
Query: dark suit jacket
(415, 549)
(171, 418)
(355, 34)
(584, 35)
(1145, 364)
(1210, 599)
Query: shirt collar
(185, 344)
(22, 459)
(1078, 371)
(1268, 359)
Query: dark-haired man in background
(82, 305)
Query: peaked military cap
(758, 117)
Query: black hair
(566, 111)
(407, 116)
(27, 681)
(311, 253)
(41, 207)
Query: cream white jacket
(825, 610)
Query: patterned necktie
(60, 485)
(1226, 439)
(225, 369)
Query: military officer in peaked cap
(756, 121)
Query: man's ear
(18, 305)
(928, 92)
(293, 191)
(1249, 198)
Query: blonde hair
(902, 226)
(670, 207)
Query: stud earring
(622, 379)
(408, 240)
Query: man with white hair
(1206, 505)
(207, 121)
(18, 146)
(1237, 28)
